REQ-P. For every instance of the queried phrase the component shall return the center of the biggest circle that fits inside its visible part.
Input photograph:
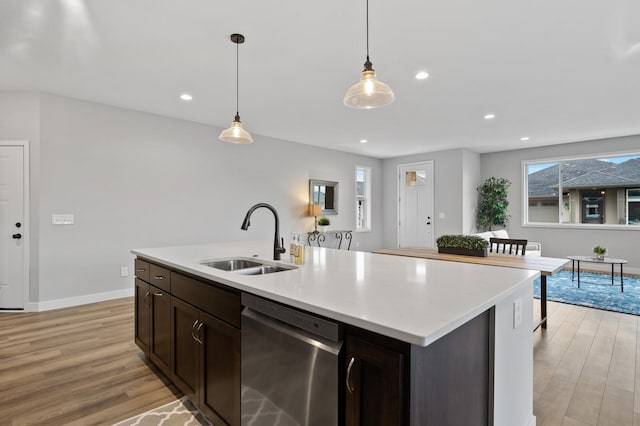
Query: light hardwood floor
(585, 368)
(76, 366)
(79, 366)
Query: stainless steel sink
(262, 270)
(232, 264)
(247, 266)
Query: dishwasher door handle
(296, 333)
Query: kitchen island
(412, 306)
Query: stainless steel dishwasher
(290, 366)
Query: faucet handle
(281, 249)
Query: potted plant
(492, 203)
(323, 223)
(599, 251)
(468, 245)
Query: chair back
(507, 246)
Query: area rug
(595, 291)
(181, 412)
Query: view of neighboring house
(594, 191)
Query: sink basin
(247, 266)
(262, 270)
(232, 264)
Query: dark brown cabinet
(142, 316)
(374, 384)
(153, 318)
(190, 329)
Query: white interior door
(415, 205)
(12, 241)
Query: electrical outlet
(124, 271)
(517, 313)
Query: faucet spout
(278, 243)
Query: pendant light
(368, 93)
(235, 133)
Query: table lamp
(315, 210)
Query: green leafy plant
(323, 221)
(492, 203)
(469, 242)
(599, 250)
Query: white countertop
(413, 300)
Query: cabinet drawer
(160, 277)
(207, 296)
(142, 269)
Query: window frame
(367, 199)
(525, 223)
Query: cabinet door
(374, 384)
(185, 348)
(160, 344)
(220, 375)
(142, 316)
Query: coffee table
(589, 259)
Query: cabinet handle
(158, 277)
(193, 330)
(198, 333)
(146, 297)
(157, 293)
(349, 386)
(140, 269)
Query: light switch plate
(62, 219)
(517, 313)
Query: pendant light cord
(367, 30)
(238, 81)
(368, 66)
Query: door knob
(18, 224)
(17, 236)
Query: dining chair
(507, 246)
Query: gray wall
(456, 175)
(139, 180)
(558, 241)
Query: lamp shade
(368, 93)
(236, 134)
(315, 210)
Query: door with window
(12, 249)
(415, 205)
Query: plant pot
(323, 228)
(600, 256)
(463, 251)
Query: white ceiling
(555, 71)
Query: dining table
(547, 266)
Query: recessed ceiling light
(524, 138)
(186, 97)
(422, 75)
(363, 141)
(489, 116)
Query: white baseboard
(533, 421)
(48, 305)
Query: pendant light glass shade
(368, 93)
(235, 133)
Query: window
(601, 191)
(363, 198)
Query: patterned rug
(181, 412)
(595, 291)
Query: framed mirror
(325, 193)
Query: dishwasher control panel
(328, 329)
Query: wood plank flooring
(587, 368)
(79, 366)
(76, 366)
